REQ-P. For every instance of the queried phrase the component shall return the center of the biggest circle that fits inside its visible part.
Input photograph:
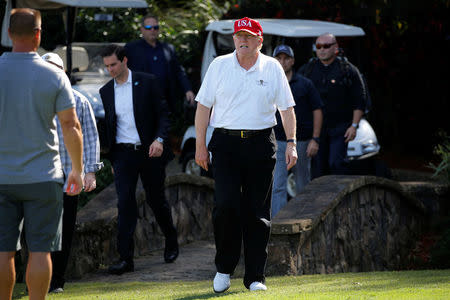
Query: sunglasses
(324, 46)
(150, 27)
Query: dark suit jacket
(149, 107)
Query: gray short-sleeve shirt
(31, 93)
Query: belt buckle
(243, 134)
(136, 147)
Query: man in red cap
(245, 88)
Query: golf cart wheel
(190, 166)
(290, 185)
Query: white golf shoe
(221, 282)
(257, 286)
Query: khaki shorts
(37, 208)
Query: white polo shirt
(245, 99)
(123, 100)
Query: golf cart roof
(56, 4)
(292, 27)
(50, 4)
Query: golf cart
(300, 35)
(82, 60)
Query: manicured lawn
(376, 285)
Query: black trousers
(61, 258)
(243, 172)
(128, 164)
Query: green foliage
(443, 151)
(375, 285)
(181, 23)
(104, 178)
(123, 28)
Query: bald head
(326, 48)
(328, 37)
(24, 22)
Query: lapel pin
(136, 83)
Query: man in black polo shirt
(343, 94)
(149, 55)
(308, 111)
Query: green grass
(376, 285)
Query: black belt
(244, 134)
(135, 147)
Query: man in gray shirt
(32, 92)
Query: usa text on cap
(248, 25)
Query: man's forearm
(201, 124)
(317, 122)
(289, 123)
(73, 139)
(357, 115)
(91, 142)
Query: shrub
(443, 151)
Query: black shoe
(171, 251)
(121, 267)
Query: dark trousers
(243, 173)
(61, 258)
(332, 156)
(128, 164)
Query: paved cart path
(195, 262)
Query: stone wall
(345, 224)
(337, 224)
(94, 244)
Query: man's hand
(74, 183)
(202, 157)
(190, 97)
(89, 182)
(312, 148)
(350, 134)
(291, 155)
(156, 149)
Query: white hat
(53, 58)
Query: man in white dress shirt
(244, 88)
(136, 127)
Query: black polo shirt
(307, 100)
(340, 95)
(144, 58)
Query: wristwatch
(159, 139)
(291, 141)
(355, 125)
(316, 139)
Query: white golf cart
(300, 35)
(82, 60)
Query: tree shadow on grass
(208, 296)
(19, 291)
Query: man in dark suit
(136, 125)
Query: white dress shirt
(126, 124)
(245, 99)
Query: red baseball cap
(248, 25)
